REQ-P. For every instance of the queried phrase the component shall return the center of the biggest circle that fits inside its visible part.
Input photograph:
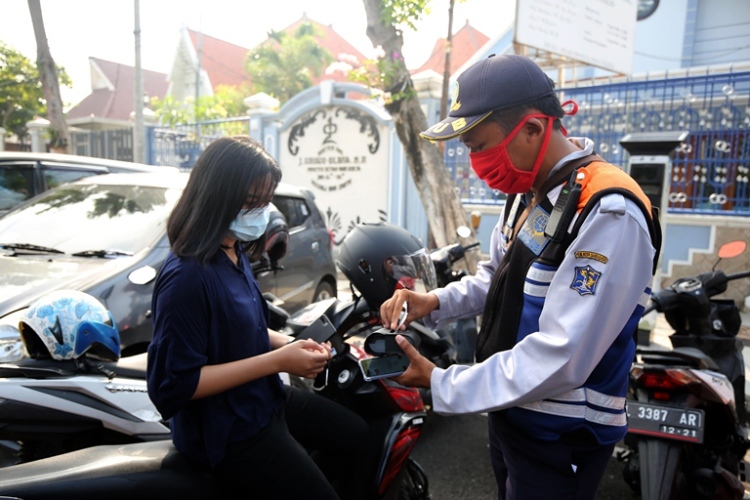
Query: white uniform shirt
(573, 334)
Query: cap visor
(452, 127)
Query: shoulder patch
(585, 280)
(584, 254)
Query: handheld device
(390, 365)
(320, 330)
(383, 341)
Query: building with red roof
(110, 103)
(466, 42)
(219, 62)
(216, 61)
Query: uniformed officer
(571, 262)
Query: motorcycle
(463, 332)
(153, 468)
(686, 428)
(56, 415)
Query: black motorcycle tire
(409, 484)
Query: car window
(295, 210)
(53, 177)
(16, 185)
(88, 217)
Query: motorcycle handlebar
(738, 276)
(707, 285)
(459, 251)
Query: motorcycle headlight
(11, 345)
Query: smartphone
(390, 365)
(320, 330)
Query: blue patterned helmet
(67, 324)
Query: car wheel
(324, 291)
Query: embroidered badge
(585, 280)
(532, 232)
(583, 254)
(455, 103)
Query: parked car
(106, 235)
(309, 268)
(23, 175)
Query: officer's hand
(420, 368)
(419, 304)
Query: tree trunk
(50, 82)
(447, 66)
(437, 190)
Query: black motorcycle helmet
(379, 258)
(277, 237)
(272, 246)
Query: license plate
(682, 424)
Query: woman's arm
(305, 358)
(278, 339)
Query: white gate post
(37, 129)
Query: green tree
(285, 64)
(21, 95)
(437, 191)
(226, 102)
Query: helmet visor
(414, 271)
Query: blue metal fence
(710, 171)
(180, 146)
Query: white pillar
(38, 129)
(2, 139)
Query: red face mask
(495, 167)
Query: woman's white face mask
(250, 225)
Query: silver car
(24, 175)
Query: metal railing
(114, 144)
(710, 172)
(180, 146)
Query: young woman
(213, 363)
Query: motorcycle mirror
(463, 231)
(732, 249)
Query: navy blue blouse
(205, 315)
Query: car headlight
(11, 345)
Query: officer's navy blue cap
(495, 83)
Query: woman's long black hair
(215, 193)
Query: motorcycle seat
(130, 366)
(680, 356)
(148, 470)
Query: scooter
(395, 413)
(686, 429)
(56, 415)
(153, 469)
